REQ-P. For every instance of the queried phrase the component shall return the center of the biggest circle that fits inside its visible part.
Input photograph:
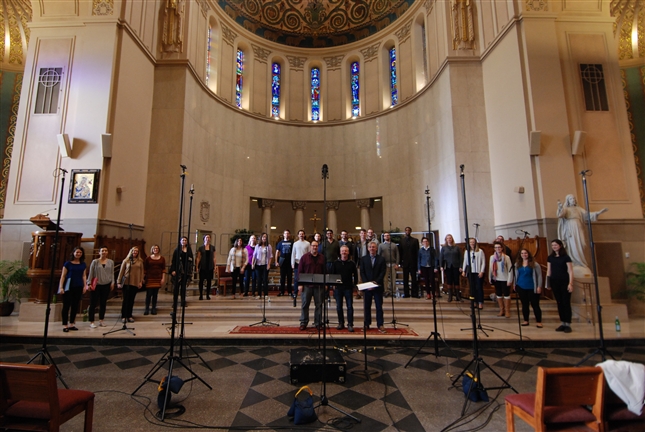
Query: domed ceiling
(314, 23)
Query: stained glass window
(238, 78)
(393, 83)
(208, 54)
(275, 90)
(315, 94)
(356, 102)
(425, 51)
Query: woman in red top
(155, 270)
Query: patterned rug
(373, 331)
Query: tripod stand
(125, 284)
(476, 385)
(324, 401)
(602, 349)
(184, 281)
(43, 354)
(261, 284)
(170, 356)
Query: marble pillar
(332, 221)
(266, 206)
(365, 205)
(299, 217)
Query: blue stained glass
(208, 55)
(315, 94)
(275, 90)
(393, 84)
(356, 102)
(238, 78)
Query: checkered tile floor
(252, 388)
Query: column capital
(266, 203)
(364, 203)
(299, 205)
(333, 205)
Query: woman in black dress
(559, 273)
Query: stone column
(299, 218)
(266, 205)
(364, 205)
(332, 222)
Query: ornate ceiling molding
(334, 62)
(404, 32)
(296, 62)
(371, 52)
(314, 23)
(228, 35)
(261, 54)
(15, 16)
(630, 19)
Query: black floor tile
(568, 353)
(396, 398)
(386, 365)
(260, 378)
(228, 351)
(553, 363)
(409, 423)
(220, 363)
(351, 399)
(115, 351)
(259, 364)
(152, 351)
(426, 365)
(266, 351)
(11, 347)
(493, 353)
(79, 350)
(84, 364)
(129, 364)
(252, 397)
(513, 365)
(16, 359)
(242, 422)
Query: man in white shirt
(300, 247)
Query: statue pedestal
(583, 301)
(35, 312)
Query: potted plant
(13, 274)
(636, 288)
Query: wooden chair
(224, 277)
(618, 417)
(30, 399)
(559, 400)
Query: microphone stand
(429, 283)
(182, 338)
(43, 354)
(126, 282)
(324, 401)
(602, 349)
(476, 384)
(471, 279)
(394, 322)
(265, 322)
(170, 357)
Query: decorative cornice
(333, 62)
(299, 205)
(364, 203)
(333, 205)
(537, 5)
(204, 7)
(261, 54)
(102, 7)
(228, 35)
(404, 32)
(296, 62)
(429, 5)
(266, 203)
(371, 52)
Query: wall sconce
(519, 189)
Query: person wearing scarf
(498, 271)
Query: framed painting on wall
(84, 186)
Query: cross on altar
(315, 219)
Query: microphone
(295, 296)
(587, 171)
(183, 167)
(63, 170)
(519, 231)
(476, 225)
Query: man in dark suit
(373, 270)
(409, 258)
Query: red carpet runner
(399, 331)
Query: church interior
(134, 122)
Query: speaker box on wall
(64, 146)
(534, 143)
(106, 145)
(578, 144)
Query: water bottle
(617, 322)
(54, 299)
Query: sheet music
(366, 285)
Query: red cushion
(621, 413)
(67, 399)
(552, 414)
